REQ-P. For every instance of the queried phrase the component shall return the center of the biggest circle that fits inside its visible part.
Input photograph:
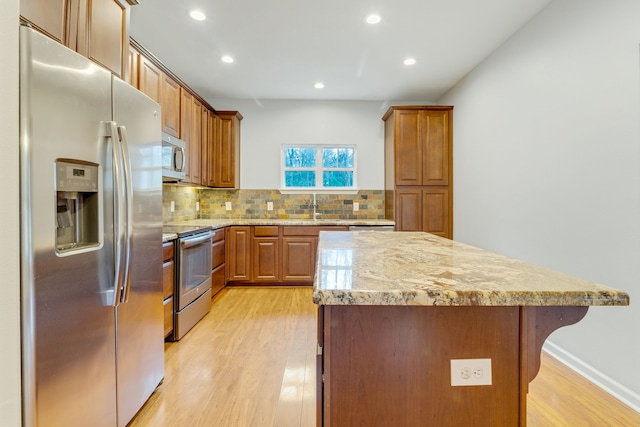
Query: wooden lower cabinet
(168, 285)
(391, 366)
(266, 262)
(218, 279)
(424, 208)
(238, 259)
(298, 258)
(273, 254)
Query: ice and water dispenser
(77, 206)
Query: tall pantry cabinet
(418, 168)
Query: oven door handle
(188, 242)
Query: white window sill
(317, 191)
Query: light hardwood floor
(251, 363)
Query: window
(319, 167)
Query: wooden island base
(383, 365)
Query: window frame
(319, 169)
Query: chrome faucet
(315, 207)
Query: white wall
(268, 124)
(547, 167)
(10, 403)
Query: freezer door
(68, 328)
(140, 318)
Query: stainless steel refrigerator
(91, 240)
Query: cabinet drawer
(217, 253)
(167, 278)
(167, 251)
(266, 231)
(218, 235)
(168, 316)
(310, 230)
(217, 279)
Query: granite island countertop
(415, 268)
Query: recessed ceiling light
(373, 19)
(409, 61)
(319, 85)
(197, 15)
(227, 59)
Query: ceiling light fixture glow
(409, 61)
(373, 19)
(319, 85)
(227, 59)
(197, 15)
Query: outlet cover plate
(470, 372)
(227, 206)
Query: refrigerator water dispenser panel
(77, 206)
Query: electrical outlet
(469, 372)
(269, 206)
(172, 206)
(197, 206)
(356, 206)
(227, 206)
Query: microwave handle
(179, 158)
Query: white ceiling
(282, 47)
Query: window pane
(337, 179)
(300, 157)
(308, 157)
(345, 157)
(299, 179)
(330, 157)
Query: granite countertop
(221, 223)
(167, 237)
(414, 268)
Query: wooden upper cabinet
(149, 79)
(422, 146)
(408, 148)
(50, 16)
(102, 33)
(226, 159)
(195, 146)
(186, 116)
(436, 146)
(205, 136)
(97, 29)
(170, 102)
(131, 75)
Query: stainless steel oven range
(193, 277)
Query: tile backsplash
(253, 204)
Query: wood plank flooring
(251, 363)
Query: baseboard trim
(609, 385)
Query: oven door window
(195, 270)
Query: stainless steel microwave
(174, 158)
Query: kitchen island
(395, 309)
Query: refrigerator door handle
(119, 238)
(128, 201)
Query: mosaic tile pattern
(253, 204)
